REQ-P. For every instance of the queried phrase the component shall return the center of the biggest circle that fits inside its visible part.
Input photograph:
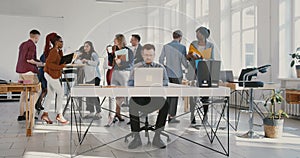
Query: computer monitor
(208, 73)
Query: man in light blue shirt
(173, 57)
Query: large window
(296, 24)
(243, 34)
(289, 39)
(201, 8)
(171, 20)
(202, 11)
(238, 34)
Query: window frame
(240, 7)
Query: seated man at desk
(148, 104)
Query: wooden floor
(54, 140)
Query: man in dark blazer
(136, 48)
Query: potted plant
(273, 122)
(296, 61)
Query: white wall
(81, 20)
(15, 30)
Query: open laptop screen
(226, 76)
(148, 77)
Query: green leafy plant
(275, 99)
(295, 57)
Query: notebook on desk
(148, 77)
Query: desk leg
(28, 130)
(31, 111)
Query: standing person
(136, 48)
(42, 79)
(90, 58)
(148, 104)
(121, 69)
(27, 67)
(174, 54)
(196, 51)
(53, 71)
(108, 65)
(80, 76)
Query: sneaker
(21, 118)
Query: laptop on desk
(148, 77)
(226, 76)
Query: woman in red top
(53, 71)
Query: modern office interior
(261, 37)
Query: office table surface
(267, 86)
(69, 65)
(171, 90)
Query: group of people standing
(28, 70)
(173, 57)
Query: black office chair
(147, 127)
(245, 81)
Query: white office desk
(168, 91)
